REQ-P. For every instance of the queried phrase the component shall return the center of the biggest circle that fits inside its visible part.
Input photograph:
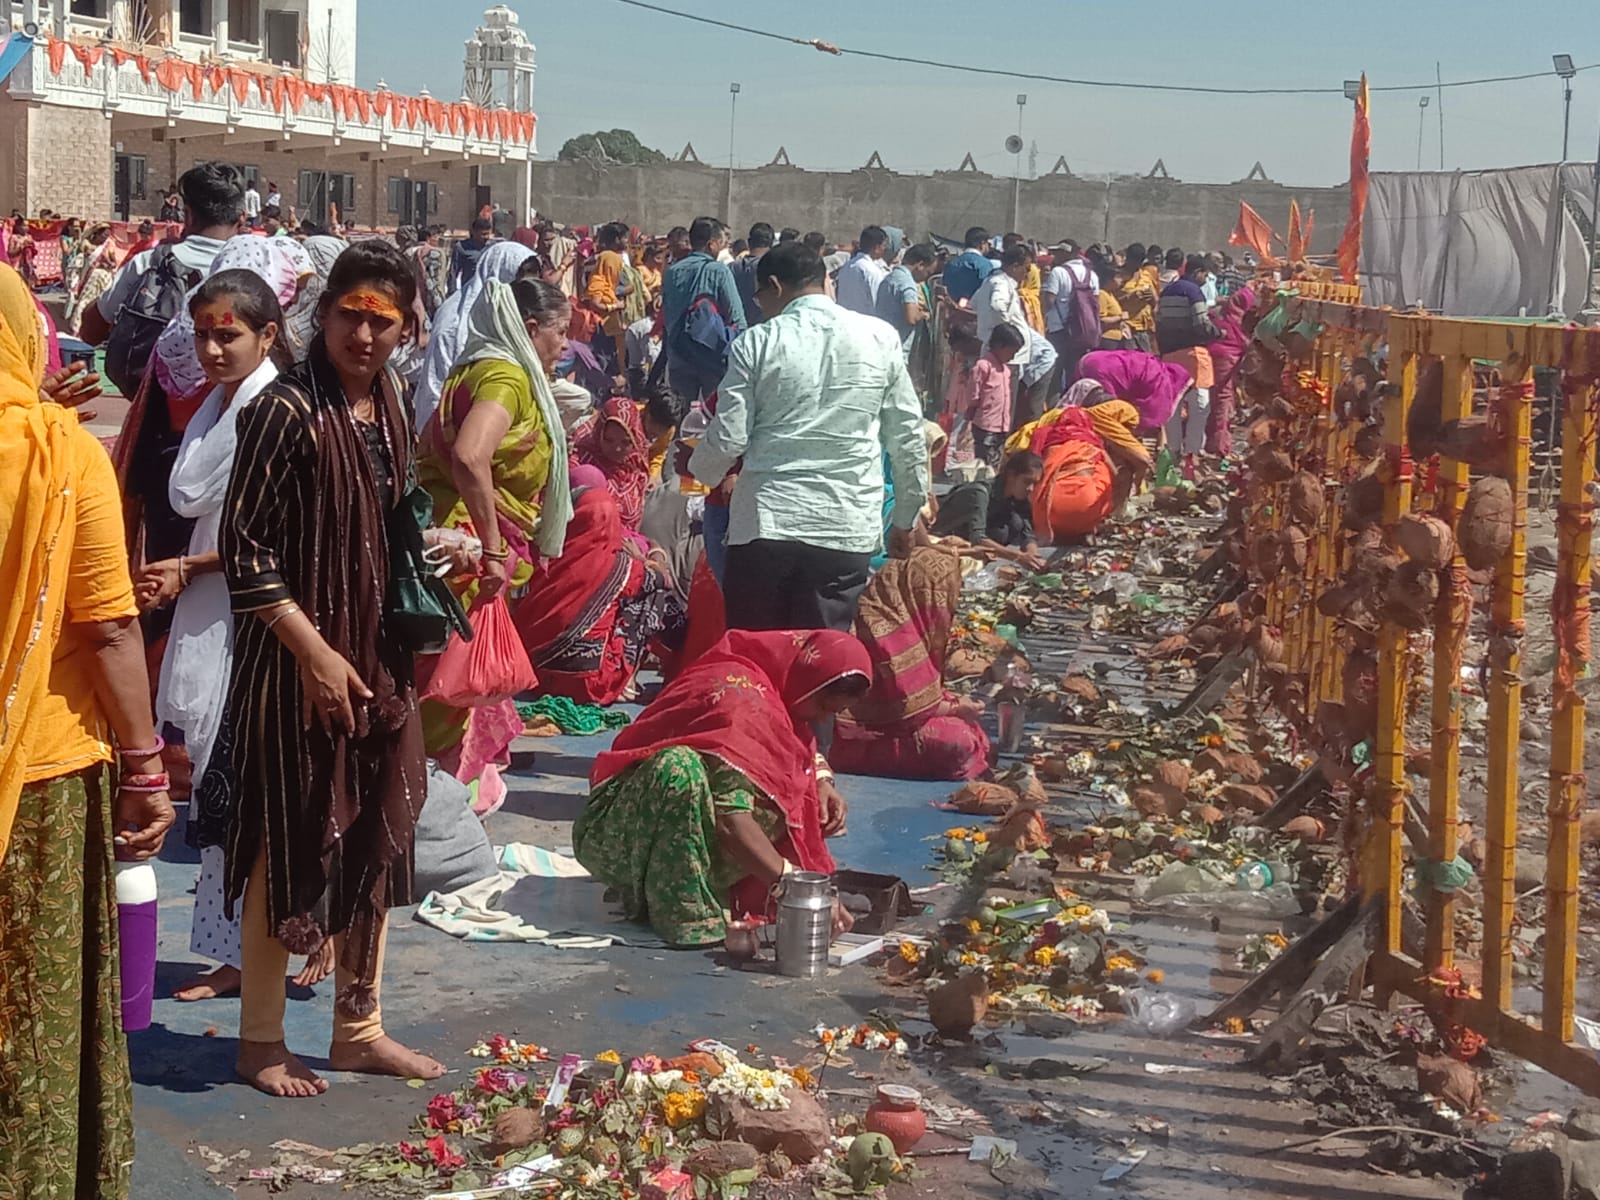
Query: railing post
(1569, 611)
(1515, 402)
(1449, 638)
(1389, 784)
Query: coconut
(516, 1129)
(1485, 526)
(1269, 464)
(1412, 592)
(1426, 415)
(1425, 539)
(1368, 443)
(1296, 548)
(1305, 499)
(959, 1005)
(1472, 441)
(1153, 803)
(1267, 552)
(1363, 501)
(1337, 600)
(981, 798)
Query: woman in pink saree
(1236, 319)
(1152, 386)
(909, 726)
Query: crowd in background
(593, 450)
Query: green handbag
(422, 610)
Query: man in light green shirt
(813, 400)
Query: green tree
(614, 145)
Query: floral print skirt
(650, 834)
(66, 1099)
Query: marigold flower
(910, 952)
(609, 1056)
(1044, 955)
(1155, 976)
(1119, 962)
(980, 837)
(680, 1108)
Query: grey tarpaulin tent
(1478, 243)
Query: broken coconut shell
(516, 1129)
(1082, 687)
(1267, 643)
(1337, 600)
(1174, 774)
(1251, 796)
(983, 799)
(1229, 764)
(1425, 539)
(1484, 529)
(1153, 803)
(1306, 828)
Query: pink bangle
(159, 780)
(161, 744)
(148, 791)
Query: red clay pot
(897, 1114)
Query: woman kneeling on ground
(718, 790)
(909, 726)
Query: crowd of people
(716, 459)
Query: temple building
(107, 102)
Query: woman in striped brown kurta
(327, 743)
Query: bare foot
(318, 966)
(211, 985)
(383, 1057)
(269, 1067)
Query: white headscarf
(494, 329)
(498, 264)
(282, 262)
(193, 689)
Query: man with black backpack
(213, 199)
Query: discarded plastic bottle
(1166, 469)
(1255, 876)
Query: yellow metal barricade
(1312, 650)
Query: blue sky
(603, 65)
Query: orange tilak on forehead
(205, 322)
(370, 301)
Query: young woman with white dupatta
(235, 338)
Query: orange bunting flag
(1253, 233)
(1360, 154)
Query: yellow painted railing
(1328, 666)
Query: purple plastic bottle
(136, 919)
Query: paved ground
(1227, 1123)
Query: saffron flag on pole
(1360, 152)
(1253, 233)
(1297, 238)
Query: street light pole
(733, 114)
(1422, 121)
(1016, 169)
(1565, 69)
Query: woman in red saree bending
(909, 726)
(590, 616)
(717, 791)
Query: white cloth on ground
(471, 913)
